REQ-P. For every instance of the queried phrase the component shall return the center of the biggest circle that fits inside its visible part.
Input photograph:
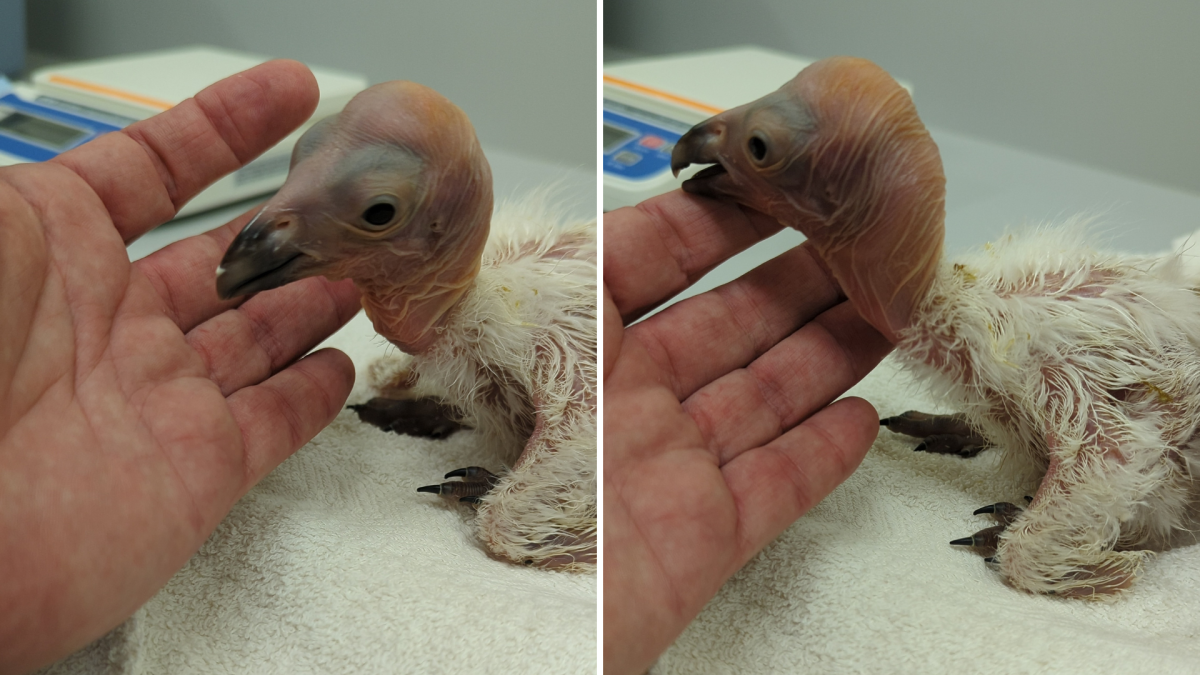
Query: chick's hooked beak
(262, 257)
(755, 149)
(702, 144)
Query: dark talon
(435, 489)
(471, 500)
(1005, 512)
(986, 540)
(991, 560)
(472, 472)
(920, 448)
(885, 421)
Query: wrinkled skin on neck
(395, 193)
(840, 154)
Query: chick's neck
(409, 302)
(883, 240)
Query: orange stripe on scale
(111, 92)
(641, 88)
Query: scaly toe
(423, 417)
(476, 483)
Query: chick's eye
(379, 214)
(757, 147)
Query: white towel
(335, 564)
(867, 582)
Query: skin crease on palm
(136, 406)
(718, 428)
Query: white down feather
(520, 349)
(1085, 363)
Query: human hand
(718, 432)
(135, 407)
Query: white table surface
(514, 176)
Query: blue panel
(646, 151)
(16, 103)
(38, 152)
(18, 148)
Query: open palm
(718, 431)
(135, 407)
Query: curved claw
(985, 541)
(1005, 512)
(474, 473)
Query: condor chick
(395, 193)
(1080, 363)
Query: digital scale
(34, 132)
(65, 106)
(650, 103)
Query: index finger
(663, 245)
(145, 172)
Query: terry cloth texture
(336, 564)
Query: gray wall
(1108, 83)
(12, 36)
(524, 71)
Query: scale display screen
(615, 136)
(638, 143)
(38, 130)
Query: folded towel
(335, 564)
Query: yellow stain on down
(1163, 397)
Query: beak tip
(678, 162)
(261, 257)
(224, 293)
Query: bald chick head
(816, 150)
(392, 192)
(839, 153)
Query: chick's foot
(986, 541)
(940, 434)
(424, 417)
